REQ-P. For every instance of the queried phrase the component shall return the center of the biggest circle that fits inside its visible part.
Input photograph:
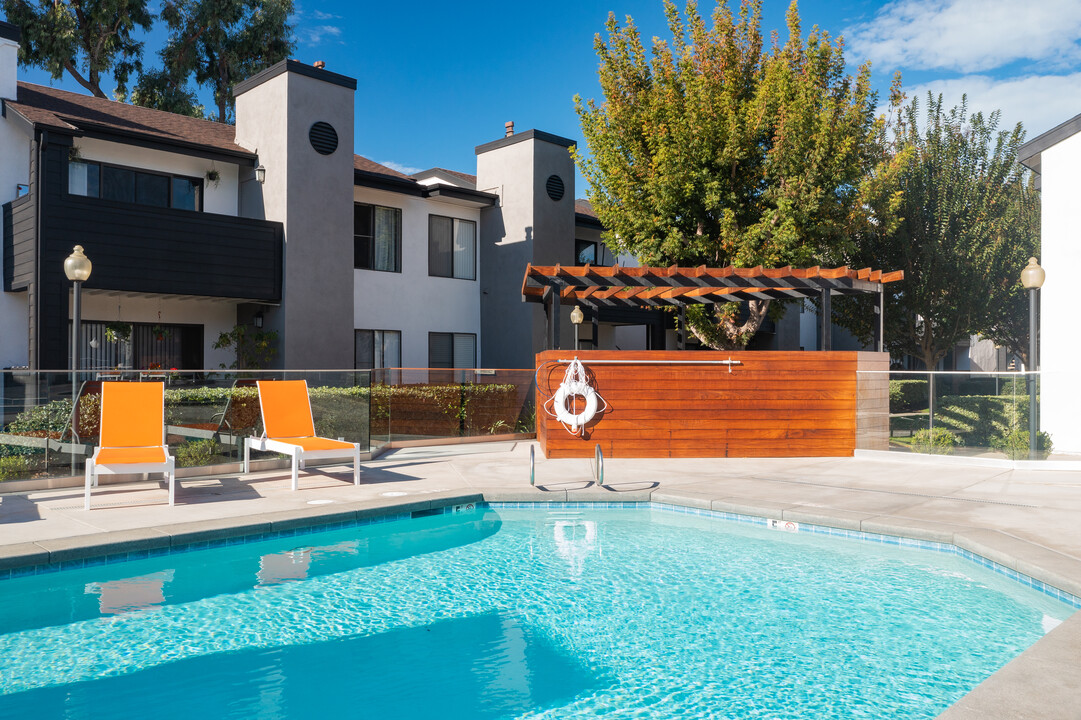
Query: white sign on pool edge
(786, 525)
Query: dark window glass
(117, 184)
(452, 350)
(364, 357)
(186, 193)
(362, 236)
(84, 178)
(440, 247)
(586, 252)
(441, 350)
(151, 189)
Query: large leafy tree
(87, 39)
(714, 150)
(161, 90)
(956, 238)
(220, 42)
(1007, 319)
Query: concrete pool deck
(1027, 520)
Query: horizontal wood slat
(675, 404)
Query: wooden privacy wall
(772, 404)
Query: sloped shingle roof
(52, 108)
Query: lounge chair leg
(296, 469)
(356, 463)
(172, 481)
(89, 479)
(247, 457)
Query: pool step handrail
(532, 466)
(598, 467)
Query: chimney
(509, 126)
(319, 64)
(10, 36)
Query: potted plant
(118, 332)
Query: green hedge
(979, 419)
(908, 395)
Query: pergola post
(682, 334)
(553, 319)
(595, 322)
(825, 322)
(881, 319)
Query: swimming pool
(525, 613)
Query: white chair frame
(298, 455)
(93, 469)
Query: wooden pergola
(655, 287)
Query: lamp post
(576, 317)
(1032, 278)
(77, 267)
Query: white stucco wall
(411, 301)
(1060, 331)
(216, 316)
(14, 169)
(220, 199)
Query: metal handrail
(598, 469)
(532, 466)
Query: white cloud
(320, 15)
(318, 34)
(403, 169)
(969, 35)
(1039, 101)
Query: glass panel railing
(976, 414)
(207, 415)
(425, 404)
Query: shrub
(1017, 386)
(196, 452)
(937, 441)
(1015, 444)
(908, 395)
(979, 418)
(13, 467)
(48, 418)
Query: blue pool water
(516, 613)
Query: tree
(717, 152)
(159, 90)
(1007, 321)
(954, 239)
(221, 42)
(255, 349)
(85, 38)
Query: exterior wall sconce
(260, 174)
(257, 321)
(577, 317)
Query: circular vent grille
(554, 187)
(323, 138)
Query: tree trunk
(726, 334)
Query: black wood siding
(19, 243)
(135, 248)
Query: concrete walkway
(1027, 520)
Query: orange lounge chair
(132, 434)
(288, 428)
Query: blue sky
(435, 79)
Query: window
(94, 179)
(378, 349)
(452, 247)
(377, 238)
(452, 350)
(585, 251)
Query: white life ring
(567, 391)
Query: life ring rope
(575, 383)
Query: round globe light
(1032, 276)
(77, 266)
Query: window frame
(375, 361)
(371, 238)
(136, 170)
(453, 225)
(453, 363)
(578, 243)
